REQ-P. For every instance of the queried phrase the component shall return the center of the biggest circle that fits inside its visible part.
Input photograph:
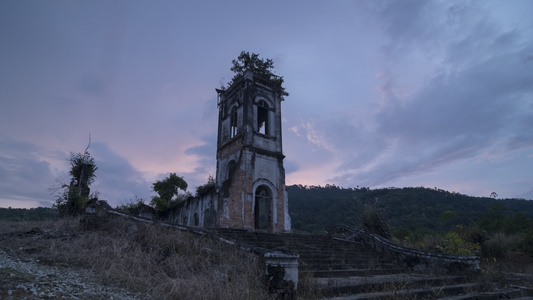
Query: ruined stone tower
(250, 177)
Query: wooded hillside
(313, 208)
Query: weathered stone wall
(237, 206)
(252, 167)
(195, 212)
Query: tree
(73, 196)
(264, 68)
(167, 189)
(493, 219)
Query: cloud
(25, 176)
(453, 89)
(206, 161)
(117, 180)
(29, 171)
(469, 105)
(527, 195)
(93, 86)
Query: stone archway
(263, 203)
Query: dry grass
(157, 261)
(308, 287)
(515, 268)
(500, 244)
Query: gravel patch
(24, 278)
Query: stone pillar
(282, 274)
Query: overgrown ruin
(249, 188)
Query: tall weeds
(159, 262)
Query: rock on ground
(22, 278)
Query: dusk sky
(382, 93)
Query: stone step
(325, 261)
(348, 270)
(362, 272)
(319, 254)
(244, 235)
(356, 258)
(512, 292)
(435, 292)
(344, 262)
(337, 252)
(302, 247)
(330, 267)
(321, 242)
(376, 287)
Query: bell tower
(250, 175)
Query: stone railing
(412, 259)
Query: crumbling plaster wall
(237, 190)
(198, 211)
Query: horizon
(146, 201)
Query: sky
(382, 93)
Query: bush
(132, 208)
(499, 245)
(455, 243)
(459, 241)
(526, 244)
(207, 188)
(374, 221)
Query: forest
(26, 215)
(418, 217)
(413, 209)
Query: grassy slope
(164, 263)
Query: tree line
(456, 223)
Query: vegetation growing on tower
(261, 67)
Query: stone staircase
(333, 268)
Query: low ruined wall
(420, 260)
(197, 212)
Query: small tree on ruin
(262, 67)
(74, 196)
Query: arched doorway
(263, 200)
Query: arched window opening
(233, 122)
(196, 220)
(209, 218)
(263, 198)
(231, 168)
(262, 118)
